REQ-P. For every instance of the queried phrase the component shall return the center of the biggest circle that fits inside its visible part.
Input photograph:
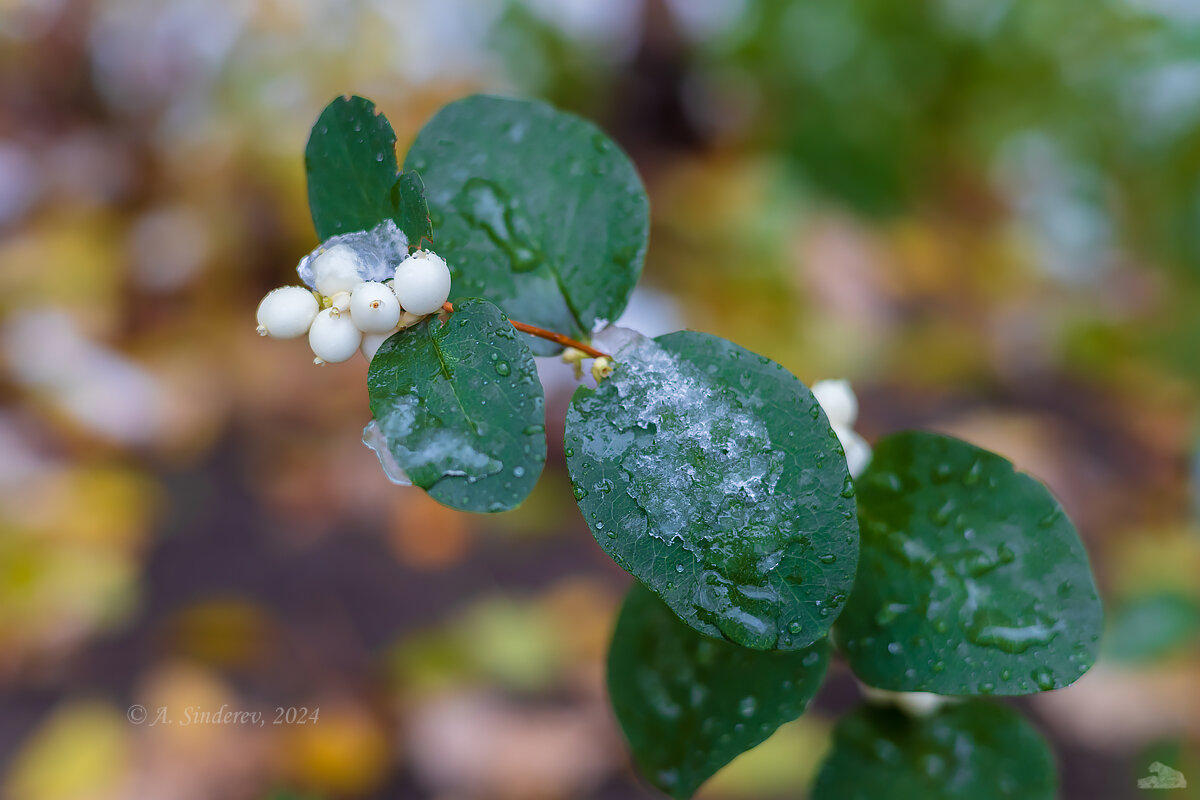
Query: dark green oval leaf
(968, 751)
(688, 703)
(712, 475)
(536, 210)
(461, 407)
(354, 182)
(971, 578)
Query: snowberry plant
(762, 531)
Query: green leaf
(536, 210)
(461, 407)
(968, 751)
(1153, 626)
(354, 182)
(409, 210)
(971, 579)
(689, 704)
(712, 475)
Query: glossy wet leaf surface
(971, 579)
(535, 209)
(354, 181)
(967, 751)
(711, 474)
(461, 408)
(688, 703)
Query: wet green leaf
(462, 409)
(535, 209)
(712, 475)
(354, 182)
(971, 579)
(688, 703)
(968, 751)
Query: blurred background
(986, 213)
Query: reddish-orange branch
(542, 333)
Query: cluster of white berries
(343, 313)
(841, 407)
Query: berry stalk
(542, 333)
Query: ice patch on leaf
(379, 250)
(373, 438)
(710, 466)
(424, 448)
(614, 339)
(702, 467)
(726, 522)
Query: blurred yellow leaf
(222, 632)
(777, 767)
(80, 752)
(344, 752)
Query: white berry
(287, 312)
(915, 704)
(374, 307)
(858, 452)
(336, 270)
(333, 336)
(838, 401)
(422, 282)
(371, 342)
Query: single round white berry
(915, 704)
(287, 312)
(858, 452)
(838, 401)
(920, 704)
(336, 270)
(333, 337)
(373, 341)
(422, 282)
(374, 307)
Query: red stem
(542, 333)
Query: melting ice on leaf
(536, 210)
(712, 475)
(971, 579)
(688, 703)
(354, 180)
(370, 255)
(967, 751)
(459, 407)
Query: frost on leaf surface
(378, 251)
(712, 475)
(459, 409)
